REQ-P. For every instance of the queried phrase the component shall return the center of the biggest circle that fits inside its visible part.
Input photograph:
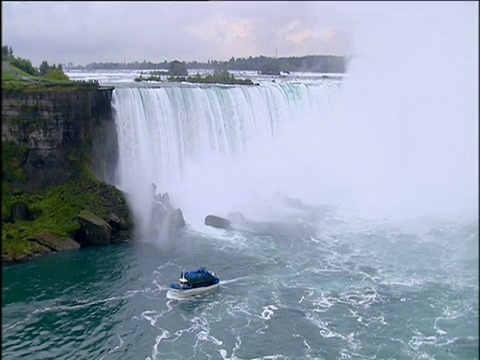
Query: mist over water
(409, 111)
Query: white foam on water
(268, 311)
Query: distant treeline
(311, 63)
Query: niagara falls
(338, 209)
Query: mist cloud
(410, 111)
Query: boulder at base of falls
(218, 222)
(116, 222)
(55, 243)
(164, 211)
(94, 230)
(176, 220)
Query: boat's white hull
(178, 293)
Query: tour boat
(193, 283)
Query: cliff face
(59, 153)
(58, 128)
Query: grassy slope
(15, 83)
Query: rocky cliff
(59, 152)
(58, 128)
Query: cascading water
(220, 149)
(398, 136)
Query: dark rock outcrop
(217, 221)
(20, 212)
(7, 260)
(94, 230)
(21, 258)
(176, 220)
(165, 212)
(117, 223)
(55, 243)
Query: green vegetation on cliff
(19, 75)
(53, 210)
(51, 128)
(14, 79)
(52, 72)
(13, 157)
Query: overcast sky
(85, 32)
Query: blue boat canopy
(195, 279)
(199, 275)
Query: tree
(24, 65)
(177, 68)
(222, 75)
(53, 72)
(270, 68)
(57, 74)
(44, 68)
(7, 52)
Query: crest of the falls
(222, 149)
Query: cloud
(230, 38)
(85, 32)
(296, 33)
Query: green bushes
(57, 74)
(178, 73)
(21, 70)
(13, 157)
(150, 78)
(219, 77)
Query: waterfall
(219, 149)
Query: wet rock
(177, 220)
(165, 212)
(21, 258)
(20, 212)
(114, 221)
(117, 222)
(7, 260)
(55, 243)
(96, 231)
(217, 221)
